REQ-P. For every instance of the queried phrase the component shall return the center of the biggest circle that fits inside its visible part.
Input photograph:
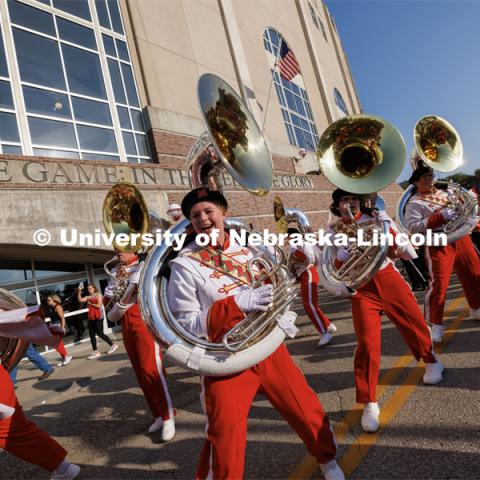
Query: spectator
(55, 312)
(40, 362)
(95, 319)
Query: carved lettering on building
(25, 172)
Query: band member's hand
(255, 299)
(343, 255)
(448, 214)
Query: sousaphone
(233, 142)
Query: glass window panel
(132, 160)
(15, 271)
(83, 72)
(115, 16)
(46, 2)
(52, 132)
(299, 104)
(75, 33)
(8, 127)
(301, 141)
(130, 85)
(290, 100)
(109, 45)
(102, 13)
(122, 50)
(274, 37)
(305, 124)
(142, 145)
(38, 59)
(124, 117)
(44, 102)
(79, 8)
(31, 17)
(294, 88)
(49, 152)
(12, 150)
(309, 141)
(296, 121)
(28, 296)
(116, 81)
(137, 120)
(94, 138)
(6, 99)
(266, 44)
(129, 143)
(91, 111)
(97, 156)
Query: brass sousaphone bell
(361, 154)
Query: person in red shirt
(95, 319)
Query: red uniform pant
(227, 401)
(23, 438)
(309, 286)
(62, 350)
(146, 358)
(386, 292)
(441, 261)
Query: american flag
(287, 63)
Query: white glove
(343, 291)
(343, 255)
(256, 299)
(6, 411)
(448, 214)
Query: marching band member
(476, 191)
(209, 292)
(144, 353)
(386, 292)
(304, 261)
(18, 435)
(427, 210)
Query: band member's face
(175, 214)
(206, 216)
(126, 257)
(349, 202)
(50, 301)
(425, 182)
(90, 290)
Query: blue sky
(414, 58)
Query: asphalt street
(95, 409)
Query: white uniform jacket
(421, 207)
(194, 287)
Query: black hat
(417, 173)
(338, 194)
(202, 194)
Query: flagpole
(271, 82)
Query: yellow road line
(357, 451)
(309, 464)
